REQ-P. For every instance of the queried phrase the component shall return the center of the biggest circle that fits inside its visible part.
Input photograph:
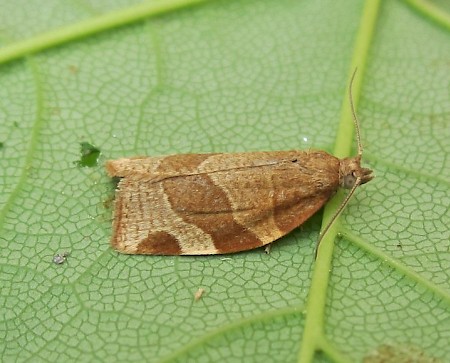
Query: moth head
(351, 172)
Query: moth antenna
(338, 212)
(355, 118)
(358, 179)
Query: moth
(218, 203)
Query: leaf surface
(223, 76)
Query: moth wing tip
(112, 167)
(121, 247)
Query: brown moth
(207, 204)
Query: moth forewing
(195, 204)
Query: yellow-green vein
(313, 332)
(431, 11)
(35, 131)
(331, 351)
(90, 26)
(266, 316)
(405, 270)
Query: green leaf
(159, 78)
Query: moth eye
(294, 160)
(349, 181)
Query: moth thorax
(350, 171)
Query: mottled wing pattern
(217, 203)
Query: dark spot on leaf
(73, 69)
(108, 202)
(399, 354)
(89, 155)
